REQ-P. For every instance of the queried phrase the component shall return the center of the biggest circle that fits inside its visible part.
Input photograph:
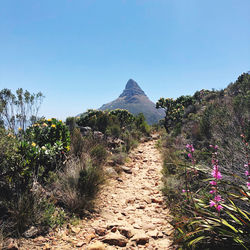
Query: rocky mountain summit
(132, 88)
(134, 99)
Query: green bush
(48, 132)
(78, 143)
(71, 123)
(43, 147)
(99, 154)
(114, 131)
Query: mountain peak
(135, 101)
(132, 88)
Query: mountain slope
(135, 101)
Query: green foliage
(114, 130)
(206, 228)
(205, 122)
(19, 110)
(49, 132)
(43, 147)
(89, 181)
(71, 123)
(77, 143)
(52, 216)
(98, 154)
(96, 119)
(174, 109)
(125, 118)
(32, 155)
(213, 117)
(113, 123)
(141, 124)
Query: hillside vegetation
(51, 172)
(206, 166)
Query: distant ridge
(134, 99)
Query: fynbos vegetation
(50, 171)
(206, 166)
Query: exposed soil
(131, 212)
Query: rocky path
(131, 212)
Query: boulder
(31, 232)
(127, 170)
(96, 246)
(111, 172)
(115, 239)
(126, 231)
(140, 238)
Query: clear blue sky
(80, 53)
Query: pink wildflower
(183, 191)
(217, 198)
(248, 185)
(212, 203)
(213, 183)
(216, 147)
(246, 165)
(212, 191)
(219, 207)
(246, 173)
(188, 145)
(190, 155)
(216, 173)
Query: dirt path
(132, 214)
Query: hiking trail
(131, 213)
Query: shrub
(43, 147)
(23, 211)
(99, 154)
(49, 132)
(114, 131)
(71, 123)
(119, 158)
(20, 109)
(78, 143)
(77, 185)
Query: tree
(20, 109)
(174, 109)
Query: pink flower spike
(213, 183)
(212, 191)
(212, 203)
(217, 198)
(216, 146)
(215, 168)
(192, 149)
(219, 207)
(190, 155)
(219, 176)
(188, 145)
(246, 173)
